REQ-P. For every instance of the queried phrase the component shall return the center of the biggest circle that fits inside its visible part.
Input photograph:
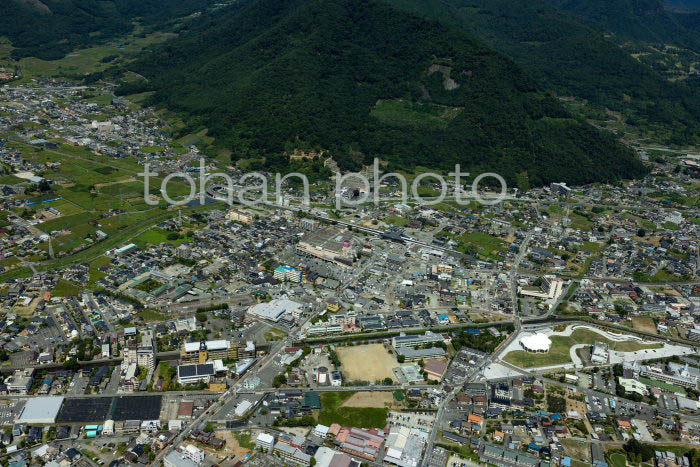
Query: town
(558, 327)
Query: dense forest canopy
(50, 29)
(573, 59)
(643, 20)
(362, 79)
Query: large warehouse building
(41, 410)
(274, 310)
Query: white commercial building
(404, 446)
(108, 428)
(242, 408)
(275, 309)
(633, 386)
(539, 342)
(41, 410)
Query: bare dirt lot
(233, 447)
(370, 399)
(366, 362)
(127, 180)
(644, 324)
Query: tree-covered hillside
(362, 79)
(642, 20)
(50, 29)
(573, 59)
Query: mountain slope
(573, 59)
(49, 29)
(643, 20)
(363, 80)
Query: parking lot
(78, 385)
(419, 420)
(9, 410)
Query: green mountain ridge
(50, 29)
(573, 59)
(359, 78)
(642, 20)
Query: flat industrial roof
(275, 309)
(41, 410)
(211, 345)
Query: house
(624, 424)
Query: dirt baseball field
(366, 362)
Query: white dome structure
(539, 342)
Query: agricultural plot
(399, 112)
(333, 411)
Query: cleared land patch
(369, 362)
(370, 399)
(399, 112)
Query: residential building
(239, 216)
(177, 459)
(204, 351)
(287, 273)
(193, 453)
(292, 454)
(265, 442)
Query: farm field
(333, 411)
(64, 288)
(82, 61)
(371, 399)
(400, 113)
(486, 244)
(369, 362)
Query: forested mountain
(50, 29)
(690, 20)
(682, 5)
(573, 59)
(642, 20)
(362, 79)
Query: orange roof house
(473, 418)
(624, 424)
